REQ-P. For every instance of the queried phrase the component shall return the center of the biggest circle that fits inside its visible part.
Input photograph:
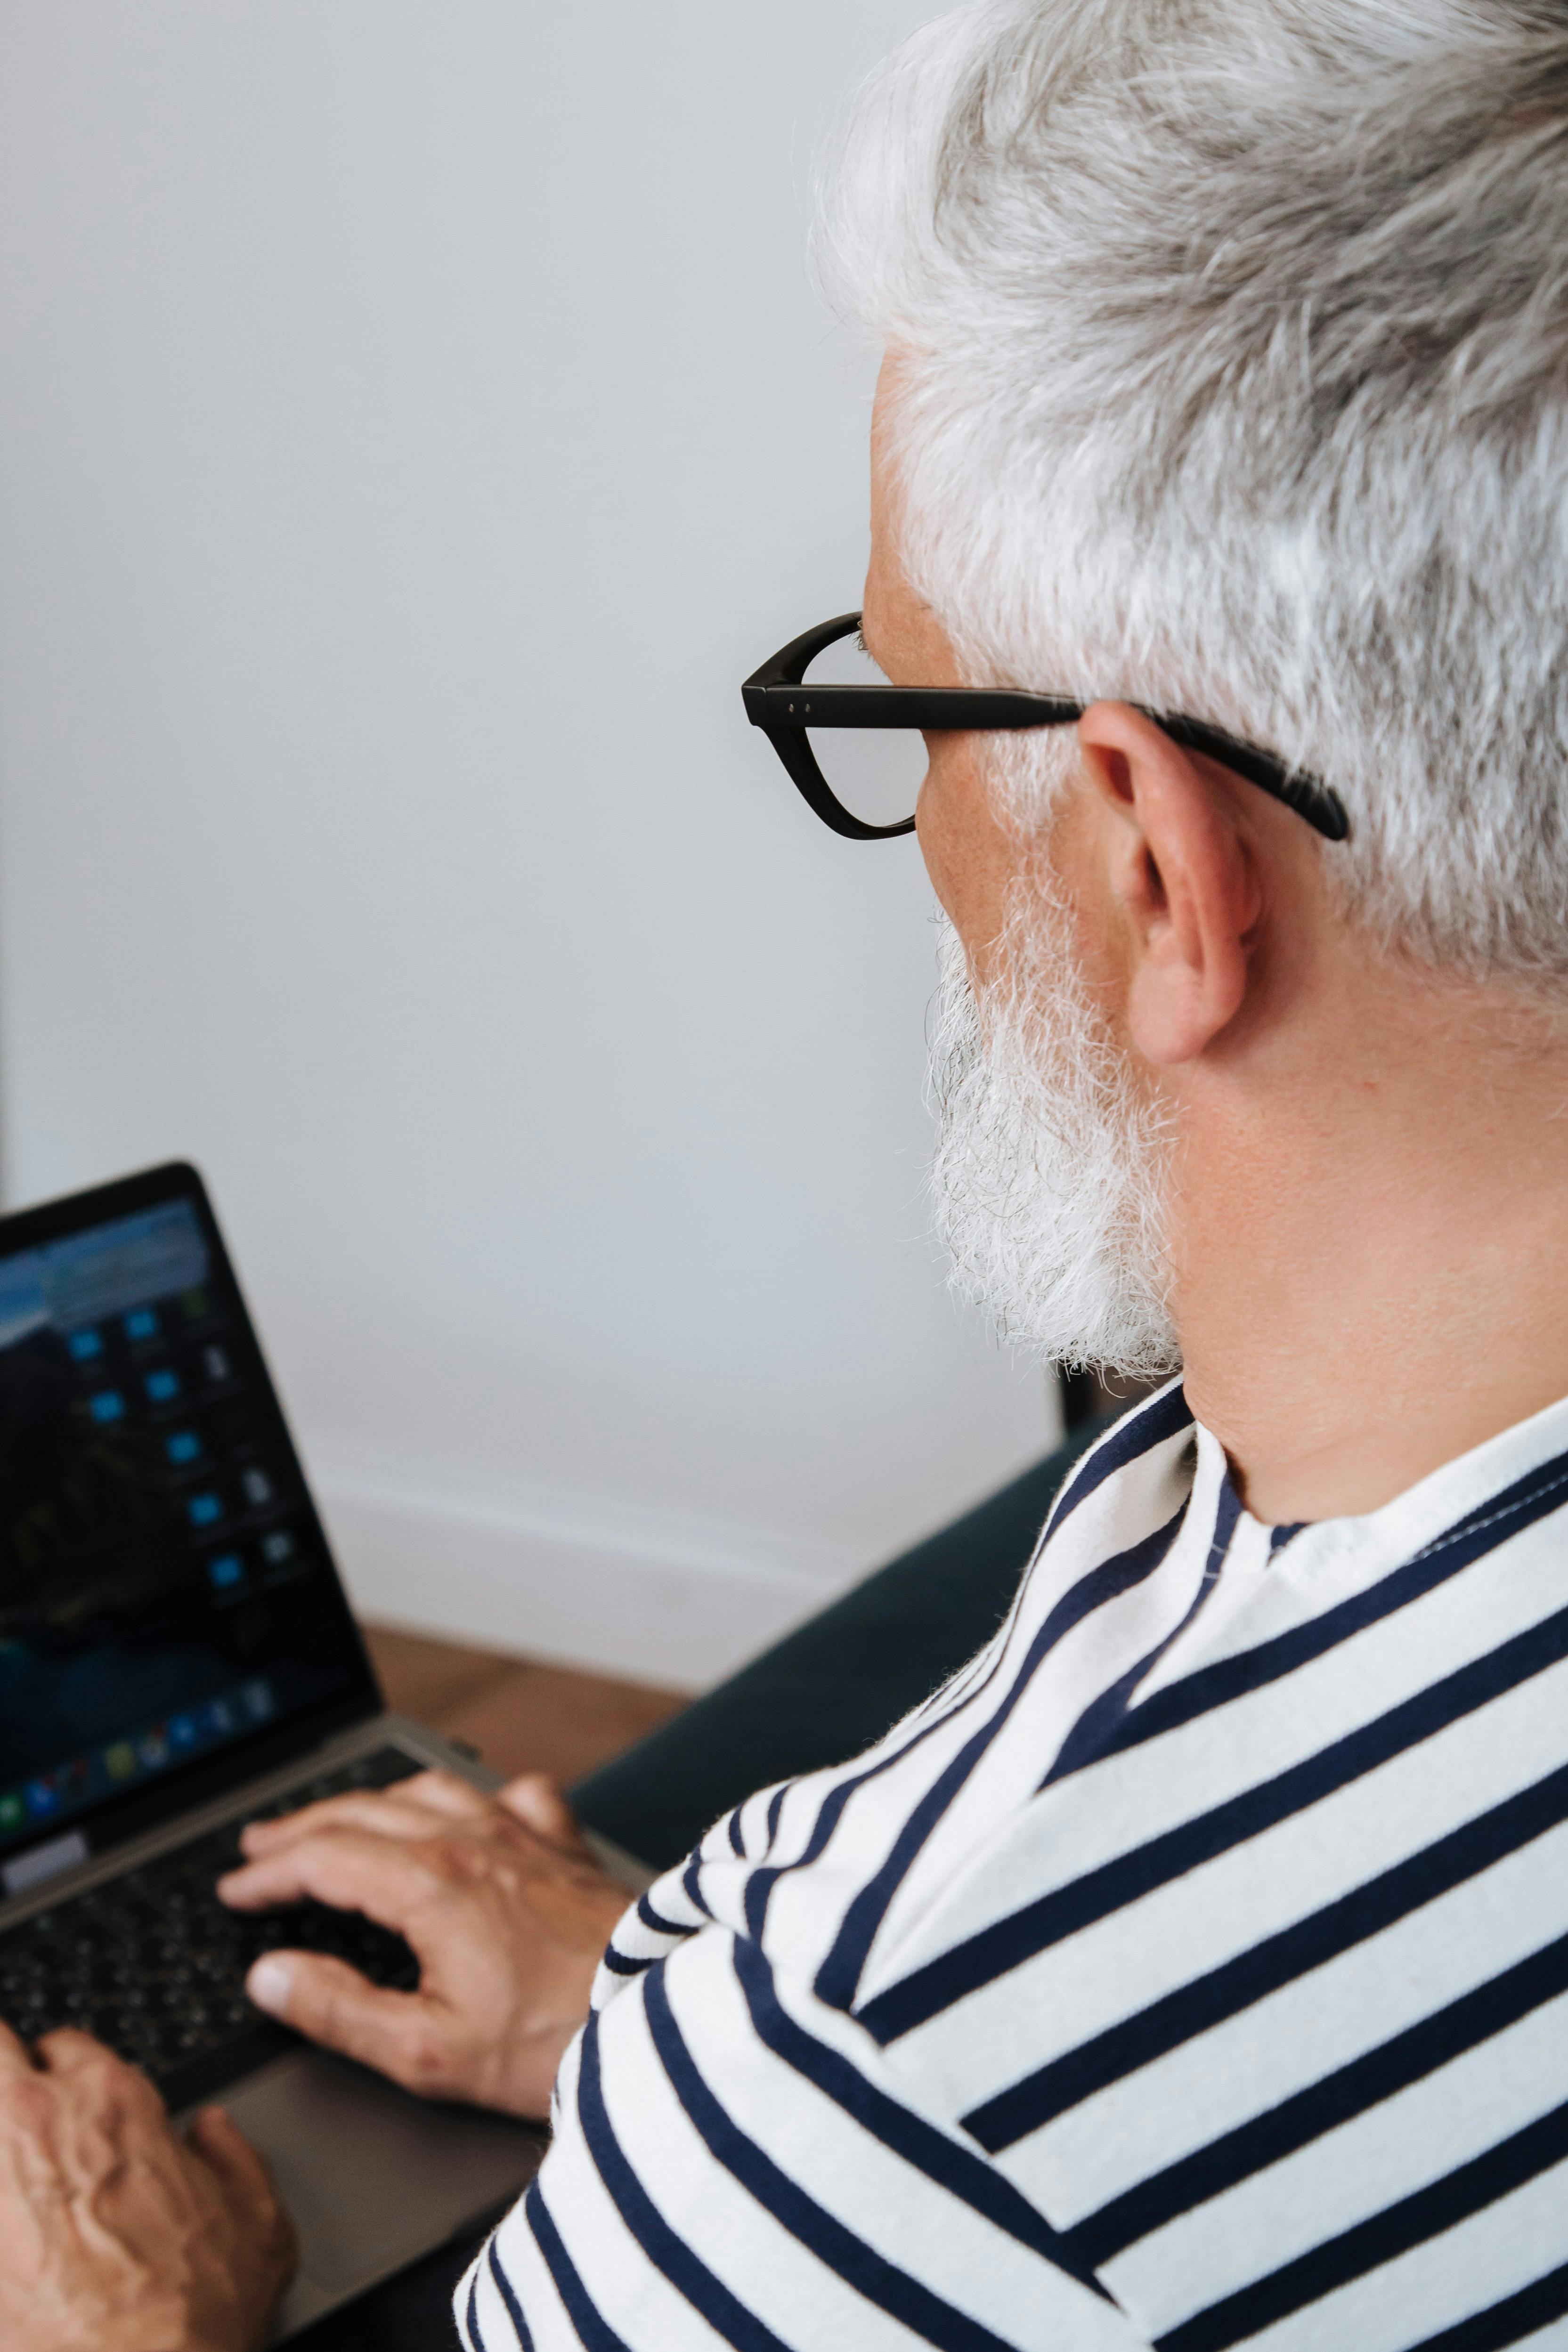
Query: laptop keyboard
(152, 1964)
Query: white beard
(1050, 1167)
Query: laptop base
(372, 2177)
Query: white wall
(413, 422)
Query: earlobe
(1182, 878)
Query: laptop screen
(165, 1590)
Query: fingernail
(271, 1981)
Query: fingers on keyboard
(154, 1965)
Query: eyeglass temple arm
(774, 696)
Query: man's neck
(1371, 1241)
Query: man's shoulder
(829, 1867)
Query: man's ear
(1183, 875)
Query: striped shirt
(1190, 1972)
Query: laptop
(177, 1657)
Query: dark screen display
(164, 1589)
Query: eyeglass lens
(875, 772)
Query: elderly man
(1192, 1968)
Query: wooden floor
(522, 1717)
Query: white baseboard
(553, 1578)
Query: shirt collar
(1376, 1539)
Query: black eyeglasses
(873, 776)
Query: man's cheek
(970, 857)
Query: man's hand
(116, 2233)
(501, 1901)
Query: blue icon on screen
(85, 1345)
(141, 1323)
(226, 1571)
(182, 1732)
(107, 1405)
(218, 1718)
(258, 1699)
(43, 1798)
(204, 1510)
(162, 1387)
(183, 1446)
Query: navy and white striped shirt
(1191, 1971)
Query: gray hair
(1237, 385)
